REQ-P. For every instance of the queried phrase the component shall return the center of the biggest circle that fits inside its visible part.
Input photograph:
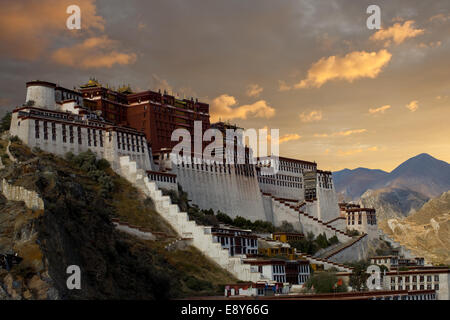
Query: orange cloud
(356, 151)
(284, 138)
(413, 105)
(254, 90)
(440, 17)
(221, 108)
(340, 133)
(397, 33)
(28, 27)
(354, 65)
(282, 86)
(314, 115)
(95, 52)
(380, 109)
(289, 137)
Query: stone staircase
(313, 224)
(183, 226)
(327, 263)
(327, 254)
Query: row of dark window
(137, 142)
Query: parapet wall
(17, 193)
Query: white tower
(42, 93)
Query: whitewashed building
(54, 119)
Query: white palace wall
(27, 128)
(328, 207)
(231, 193)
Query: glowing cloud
(397, 33)
(413, 105)
(289, 137)
(284, 138)
(221, 108)
(356, 151)
(96, 52)
(282, 86)
(340, 133)
(354, 65)
(379, 110)
(254, 90)
(28, 27)
(314, 115)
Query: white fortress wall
(43, 95)
(104, 143)
(357, 251)
(268, 208)
(231, 193)
(311, 208)
(328, 207)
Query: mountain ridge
(422, 173)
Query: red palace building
(155, 114)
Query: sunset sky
(342, 95)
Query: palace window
(100, 135)
(36, 129)
(71, 133)
(94, 132)
(53, 131)
(89, 137)
(79, 135)
(64, 133)
(45, 131)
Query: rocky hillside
(80, 197)
(425, 232)
(393, 202)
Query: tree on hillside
(306, 245)
(286, 227)
(326, 282)
(5, 123)
(359, 275)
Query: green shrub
(325, 282)
(197, 284)
(5, 123)
(14, 139)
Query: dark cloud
(220, 47)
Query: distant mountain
(353, 183)
(422, 173)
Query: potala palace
(133, 132)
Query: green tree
(286, 227)
(333, 240)
(224, 218)
(5, 123)
(359, 275)
(322, 240)
(325, 282)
